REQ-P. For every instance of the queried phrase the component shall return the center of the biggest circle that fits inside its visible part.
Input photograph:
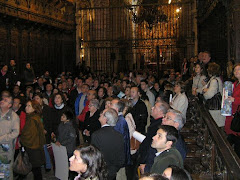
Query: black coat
(48, 117)
(92, 124)
(146, 144)
(140, 114)
(13, 75)
(3, 81)
(57, 113)
(72, 98)
(111, 144)
(29, 76)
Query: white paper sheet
(61, 161)
(138, 136)
(170, 98)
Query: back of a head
(164, 107)
(120, 105)
(179, 173)
(112, 116)
(152, 177)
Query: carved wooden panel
(3, 43)
(14, 43)
(213, 35)
(24, 45)
(217, 159)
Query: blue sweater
(122, 127)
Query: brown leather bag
(134, 144)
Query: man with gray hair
(172, 118)
(122, 127)
(110, 142)
(158, 112)
(9, 131)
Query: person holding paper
(172, 118)
(158, 112)
(235, 99)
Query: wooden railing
(217, 160)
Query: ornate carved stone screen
(119, 35)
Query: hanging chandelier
(150, 13)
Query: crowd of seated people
(105, 111)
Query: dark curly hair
(96, 166)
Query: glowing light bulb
(169, 1)
(177, 10)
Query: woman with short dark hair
(88, 162)
(59, 106)
(180, 101)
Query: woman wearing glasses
(91, 122)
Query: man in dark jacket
(167, 154)
(158, 112)
(110, 142)
(173, 118)
(13, 73)
(139, 111)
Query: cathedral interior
(116, 35)
(122, 35)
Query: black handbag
(22, 164)
(235, 124)
(215, 102)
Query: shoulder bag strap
(238, 108)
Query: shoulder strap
(217, 83)
(238, 108)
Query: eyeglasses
(168, 118)
(102, 114)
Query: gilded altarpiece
(111, 35)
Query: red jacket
(82, 116)
(22, 118)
